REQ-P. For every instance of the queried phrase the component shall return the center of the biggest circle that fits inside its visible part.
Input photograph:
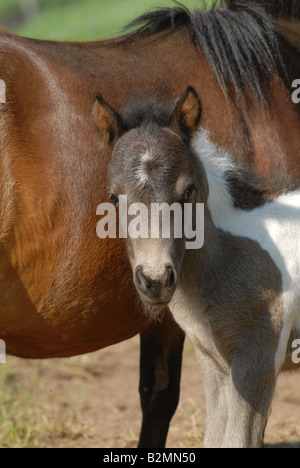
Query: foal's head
(153, 163)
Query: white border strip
(2, 92)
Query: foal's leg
(160, 371)
(252, 387)
(216, 384)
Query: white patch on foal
(140, 172)
(275, 226)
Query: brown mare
(63, 291)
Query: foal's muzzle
(159, 291)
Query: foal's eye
(190, 192)
(114, 198)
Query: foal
(238, 297)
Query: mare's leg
(160, 371)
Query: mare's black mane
(238, 41)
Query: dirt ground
(92, 401)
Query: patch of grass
(27, 418)
(132, 435)
(7, 7)
(18, 422)
(90, 19)
(70, 428)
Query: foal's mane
(151, 111)
(247, 189)
(238, 41)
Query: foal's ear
(187, 113)
(108, 121)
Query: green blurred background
(75, 19)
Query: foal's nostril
(159, 288)
(140, 280)
(171, 279)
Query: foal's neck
(232, 188)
